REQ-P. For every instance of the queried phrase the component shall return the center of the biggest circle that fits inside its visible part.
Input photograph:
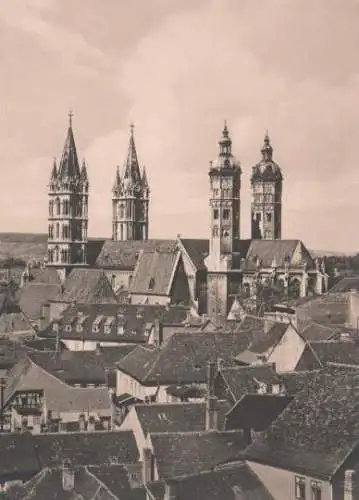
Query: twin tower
(69, 193)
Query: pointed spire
(54, 171)
(69, 164)
(117, 183)
(132, 169)
(267, 150)
(83, 174)
(144, 178)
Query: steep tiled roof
(18, 455)
(72, 367)
(346, 284)
(316, 332)
(183, 453)
(112, 322)
(154, 272)
(32, 297)
(124, 254)
(278, 250)
(14, 322)
(47, 275)
(183, 357)
(92, 483)
(197, 251)
(331, 310)
(256, 411)
(87, 286)
(86, 448)
(221, 484)
(346, 353)
(176, 417)
(243, 380)
(317, 430)
(269, 340)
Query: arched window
(246, 290)
(58, 206)
(51, 208)
(121, 211)
(215, 231)
(57, 230)
(294, 287)
(56, 254)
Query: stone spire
(54, 171)
(267, 150)
(117, 182)
(83, 174)
(144, 178)
(69, 164)
(132, 170)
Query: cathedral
(206, 274)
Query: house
(144, 419)
(182, 360)
(33, 297)
(232, 383)
(234, 482)
(311, 449)
(68, 482)
(83, 326)
(85, 286)
(45, 391)
(28, 457)
(160, 278)
(281, 345)
(169, 455)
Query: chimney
(45, 316)
(211, 400)
(170, 493)
(68, 476)
(158, 333)
(147, 465)
(351, 489)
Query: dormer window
(79, 328)
(68, 328)
(151, 284)
(120, 330)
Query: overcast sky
(177, 69)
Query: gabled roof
(18, 456)
(197, 251)
(345, 352)
(154, 272)
(183, 358)
(14, 322)
(91, 483)
(257, 411)
(184, 453)
(87, 286)
(317, 430)
(176, 417)
(86, 448)
(346, 284)
(72, 367)
(331, 310)
(314, 332)
(234, 482)
(32, 297)
(47, 276)
(243, 380)
(124, 254)
(268, 251)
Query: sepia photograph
(179, 250)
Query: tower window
(58, 206)
(258, 217)
(225, 232)
(269, 216)
(151, 284)
(215, 213)
(215, 231)
(226, 213)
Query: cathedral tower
(68, 209)
(266, 207)
(130, 199)
(224, 201)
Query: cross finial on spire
(70, 117)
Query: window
(215, 231)
(151, 284)
(299, 488)
(316, 490)
(269, 217)
(226, 213)
(215, 213)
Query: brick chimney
(68, 476)
(147, 458)
(351, 489)
(170, 493)
(211, 400)
(157, 333)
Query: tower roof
(144, 178)
(131, 172)
(69, 164)
(225, 157)
(267, 169)
(117, 182)
(54, 171)
(83, 175)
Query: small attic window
(68, 328)
(151, 284)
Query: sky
(177, 70)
